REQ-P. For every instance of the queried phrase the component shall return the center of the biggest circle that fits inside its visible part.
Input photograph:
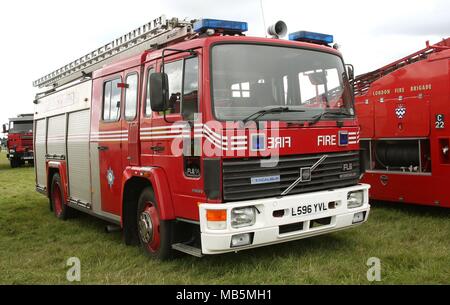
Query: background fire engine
(106, 123)
(404, 112)
(19, 142)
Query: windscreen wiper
(318, 117)
(263, 112)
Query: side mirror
(159, 91)
(5, 130)
(350, 72)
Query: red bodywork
(131, 156)
(20, 142)
(125, 154)
(404, 112)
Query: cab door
(111, 137)
(130, 121)
(170, 134)
(146, 116)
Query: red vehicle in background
(20, 140)
(404, 112)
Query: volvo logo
(305, 175)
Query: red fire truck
(20, 140)
(192, 137)
(403, 109)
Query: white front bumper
(266, 230)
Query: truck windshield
(249, 78)
(20, 127)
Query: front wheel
(155, 235)
(14, 163)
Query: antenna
(263, 18)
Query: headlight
(11, 151)
(243, 217)
(355, 199)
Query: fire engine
(403, 111)
(190, 136)
(19, 143)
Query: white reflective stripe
(162, 137)
(109, 140)
(78, 135)
(214, 136)
(232, 146)
(238, 143)
(110, 136)
(214, 141)
(219, 136)
(239, 138)
(239, 148)
(108, 132)
(161, 132)
(163, 127)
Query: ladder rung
(132, 43)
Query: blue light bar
(311, 37)
(220, 25)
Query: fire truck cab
(403, 109)
(196, 138)
(19, 143)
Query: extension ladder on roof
(155, 33)
(362, 82)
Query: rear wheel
(155, 235)
(59, 207)
(14, 163)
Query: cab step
(188, 249)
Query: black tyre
(155, 235)
(14, 163)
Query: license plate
(309, 209)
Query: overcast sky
(41, 36)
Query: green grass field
(413, 244)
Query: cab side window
(111, 100)
(131, 95)
(182, 78)
(174, 71)
(148, 106)
(189, 102)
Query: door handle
(157, 148)
(102, 148)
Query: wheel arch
(134, 181)
(59, 167)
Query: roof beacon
(312, 37)
(220, 26)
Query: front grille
(333, 172)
